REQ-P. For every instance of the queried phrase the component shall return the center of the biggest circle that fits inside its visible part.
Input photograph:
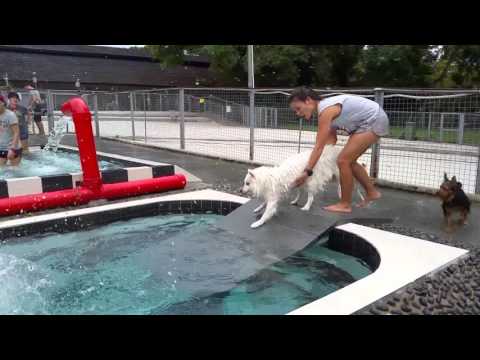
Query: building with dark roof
(97, 68)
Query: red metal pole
(29, 203)
(85, 141)
(140, 187)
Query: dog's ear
(250, 172)
(454, 179)
(445, 177)
(459, 184)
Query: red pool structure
(92, 187)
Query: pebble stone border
(454, 290)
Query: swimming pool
(43, 163)
(174, 264)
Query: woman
(365, 122)
(22, 116)
(10, 148)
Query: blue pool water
(178, 264)
(41, 163)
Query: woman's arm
(324, 133)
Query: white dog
(273, 184)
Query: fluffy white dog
(273, 184)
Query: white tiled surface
(207, 195)
(76, 177)
(193, 195)
(403, 260)
(139, 173)
(24, 186)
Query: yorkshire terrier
(454, 201)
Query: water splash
(22, 283)
(57, 134)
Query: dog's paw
(305, 208)
(256, 224)
(257, 210)
(294, 203)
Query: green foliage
(397, 65)
(460, 65)
(336, 65)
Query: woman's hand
(301, 180)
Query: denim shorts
(23, 132)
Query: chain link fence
(431, 131)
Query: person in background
(10, 147)
(36, 109)
(22, 115)
(25, 98)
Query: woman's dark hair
(302, 94)
(13, 94)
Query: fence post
(252, 123)
(442, 117)
(477, 183)
(132, 114)
(181, 105)
(145, 114)
(461, 127)
(429, 126)
(300, 135)
(374, 163)
(50, 111)
(95, 115)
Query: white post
(95, 114)
(442, 117)
(145, 114)
(251, 86)
(374, 164)
(132, 114)
(182, 118)
(461, 127)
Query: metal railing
(432, 131)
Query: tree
(343, 61)
(397, 65)
(459, 65)
(171, 55)
(275, 65)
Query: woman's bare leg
(357, 144)
(41, 130)
(363, 178)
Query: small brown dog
(454, 201)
